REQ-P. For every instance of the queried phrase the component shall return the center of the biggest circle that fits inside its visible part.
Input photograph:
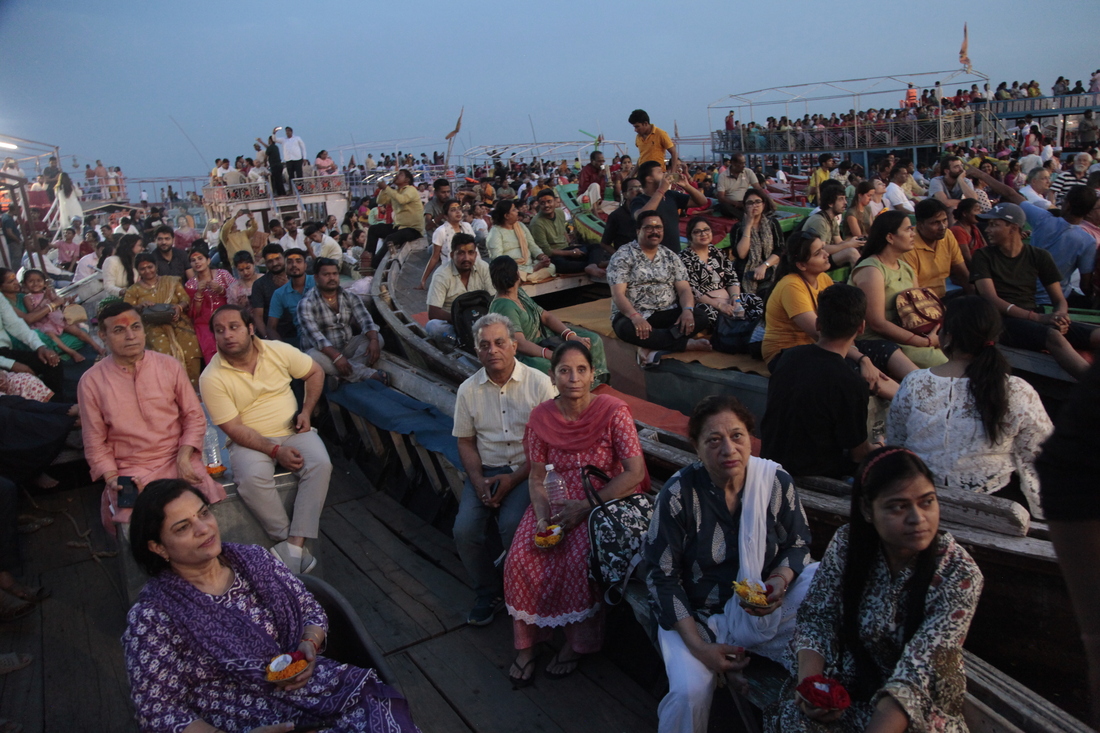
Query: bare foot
(45, 481)
(78, 357)
(699, 345)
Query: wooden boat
(1013, 551)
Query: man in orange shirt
(652, 141)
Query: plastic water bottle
(211, 447)
(555, 490)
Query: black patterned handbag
(616, 532)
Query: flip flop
(560, 675)
(518, 683)
(10, 662)
(12, 608)
(381, 376)
(34, 524)
(31, 595)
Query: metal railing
(321, 184)
(861, 135)
(1043, 104)
(238, 193)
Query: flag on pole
(675, 129)
(458, 126)
(964, 53)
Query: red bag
(822, 692)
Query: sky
(129, 81)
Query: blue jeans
(471, 532)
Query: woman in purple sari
(211, 618)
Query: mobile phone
(493, 488)
(127, 493)
(305, 727)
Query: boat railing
(237, 193)
(1044, 104)
(321, 184)
(894, 133)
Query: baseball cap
(1011, 213)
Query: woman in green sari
(539, 331)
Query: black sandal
(518, 683)
(561, 675)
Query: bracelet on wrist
(316, 646)
(274, 452)
(1008, 309)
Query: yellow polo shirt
(653, 146)
(819, 176)
(932, 264)
(263, 399)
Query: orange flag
(458, 125)
(964, 54)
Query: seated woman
(212, 617)
(540, 331)
(41, 309)
(118, 268)
(509, 236)
(882, 275)
(324, 165)
(549, 588)
(240, 290)
(726, 517)
(176, 339)
(888, 610)
(976, 427)
(790, 317)
(207, 290)
(713, 279)
(857, 220)
(757, 245)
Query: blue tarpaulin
(392, 411)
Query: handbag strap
(589, 491)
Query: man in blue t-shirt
(1069, 244)
(284, 301)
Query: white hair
(494, 319)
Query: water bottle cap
(549, 466)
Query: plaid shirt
(320, 326)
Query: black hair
(461, 239)
(824, 158)
(881, 470)
(440, 183)
(312, 228)
(828, 195)
(545, 193)
(108, 251)
(884, 224)
(840, 311)
(695, 220)
(243, 311)
(145, 257)
(564, 348)
(973, 326)
(798, 252)
(164, 229)
(147, 520)
(28, 273)
(272, 249)
(243, 256)
(1079, 201)
(638, 115)
(930, 207)
(645, 169)
(503, 272)
(713, 405)
(864, 187)
(593, 154)
(201, 247)
(125, 252)
(111, 309)
(963, 208)
(324, 262)
(499, 212)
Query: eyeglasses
(701, 231)
(754, 202)
(653, 228)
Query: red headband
(879, 457)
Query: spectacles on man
(653, 228)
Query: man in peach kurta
(140, 416)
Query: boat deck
(401, 575)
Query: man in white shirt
(1030, 161)
(895, 197)
(294, 152)
(322, 244)
(294, 238)
(1038, 185)
(125, 226)
(491, 412)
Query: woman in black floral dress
(713, 280)
(887, 611)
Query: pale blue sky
(101, 79)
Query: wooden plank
(556, 284)
(403, 452)
(980, 718)
(84, 676)
(377, 606)
(22, 696)
(444, 595)
(431, 711)
(1019, 705)
(1035, 362)
(427, 464)
(348, 482)
(456, 478)
(427, 540)
(369, 435)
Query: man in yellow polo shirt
(936, 255)
(246, 389)
(824, 171)
(652, 141)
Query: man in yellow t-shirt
(826, 163)
(652, 141)
(246, 389)
(936, 255)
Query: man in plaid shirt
(328, 318)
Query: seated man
(1006, 272)
(327, 316)
(734, 184)
(246, 389)
(322, 244)
(264, 289)
(825, 223)
(140, 416)
(620, 227)
(568, 255)
(464, 273)
(815, 423)
(651, 299)
(282, 314)
(491, 412)
(936, 253)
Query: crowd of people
(885, 610)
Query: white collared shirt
(497, 414)
(290, 243)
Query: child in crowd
(53, 325)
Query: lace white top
(936, 418)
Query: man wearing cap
(1005, 274)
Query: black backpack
(465, 310)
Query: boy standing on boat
(491, 412)
(652, 141)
